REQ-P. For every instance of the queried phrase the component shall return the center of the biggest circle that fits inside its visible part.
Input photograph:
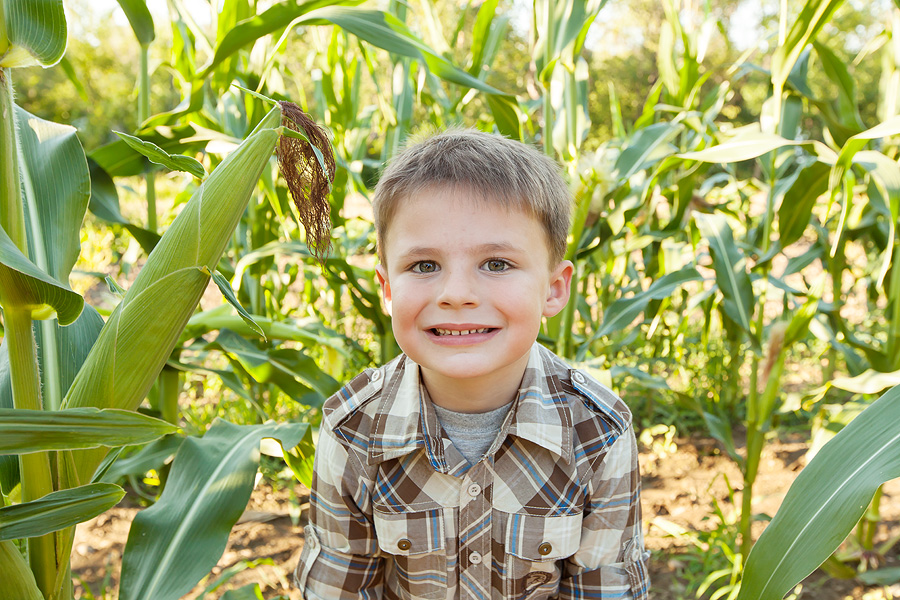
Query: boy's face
(467, 285)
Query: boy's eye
(425, 266)
(496, 265)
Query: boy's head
(472, 231)
(487, 167)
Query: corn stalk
(131, 348)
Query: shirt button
(578, 377)
(474, 489)
(475, 558)
(404, 544)
(545, 549)
(376, 375)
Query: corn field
(729, 207)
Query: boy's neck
(475, 395)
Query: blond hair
(489, 167)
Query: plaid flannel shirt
(551, 511)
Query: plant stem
(893, 341)
(4, 40)
(144, 85)
(143, 115)
(836, 270)
(546, 7)
(564, 343)
(755, 440)
(12, 216)
(871, 518)
(35, 468)
(169, 380)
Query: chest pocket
(414, 542)
(534, 546)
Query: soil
(689, 488)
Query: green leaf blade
(155, 154)
(37, 33)
(826, 501)
(180, 538)
(140, 19)
(26, 431)
(731, 268)
(57, 510)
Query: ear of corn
(141, 333)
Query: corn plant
(65, 401)
(825, 502)
(739, 248)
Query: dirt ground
(682, 485)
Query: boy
(477, 464)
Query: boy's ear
(381, 271)
(558, 292)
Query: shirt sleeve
(340, 558)
(611, 561)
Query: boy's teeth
(460, 331)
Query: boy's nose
(457, 290)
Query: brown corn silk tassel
(307, 180)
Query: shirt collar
(405, 420)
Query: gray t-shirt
(472, 433)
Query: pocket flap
(410, 533)
(543, 538)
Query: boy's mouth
(442, 332)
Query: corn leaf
(312, 333)
(826, 501)
(119, 159)
(868, 382)
(36, 31)
(741, 147)
(178, 540)
(140, 19)
(104, 204)
(141, 333)
(563, 26)
(645, 148)
(155, 154)
(25, 431)
(375, 27)
(884, 196)
(247, 592)
(483, 34)
(57, 185)
(57, 510)
(228, 293)
(624, 310)
(23, 284)
(806, 26)
(270, 21)
(798, 202)
(152, 456)
(730, 265)
(839, 177)
(9, 465)
(836, 69)
(18, 580)
(508, 115)
(854, 145)
(285, 367)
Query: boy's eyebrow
(480, 249)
